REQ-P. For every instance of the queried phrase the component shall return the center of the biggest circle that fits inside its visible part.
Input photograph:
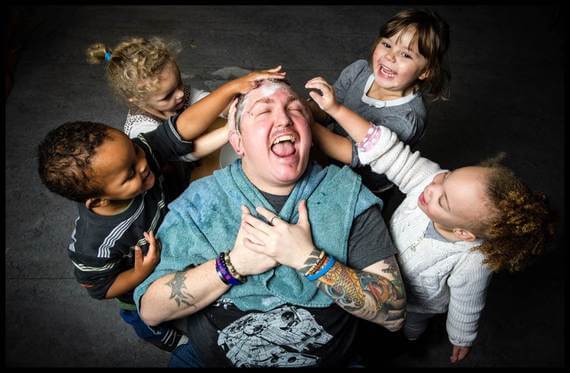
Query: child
(118, 187)
(406, 62)
(144, 73)
(453, 229)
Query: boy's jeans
(162, 336)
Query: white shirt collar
(381, 103)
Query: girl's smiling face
(397, 65)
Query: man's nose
(282, 118)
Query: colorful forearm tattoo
(179, 291)
(367, 295)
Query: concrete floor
(506, 95)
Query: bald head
(265, 89)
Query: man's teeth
(284, 138)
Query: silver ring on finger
(273, 218)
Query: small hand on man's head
(323, 94)
(251, 81)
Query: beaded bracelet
(223, 272)
(232, 270)
(220, 275)
(317, 265)
(324, 270)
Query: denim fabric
(185, 356)
(162, 336)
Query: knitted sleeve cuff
(459, 342)
(370, 139)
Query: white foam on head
(267, 89)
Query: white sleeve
(468, 286)
(390, 156)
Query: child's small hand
(146, 264)
(251, 81)
(458, 353)
(327, 99)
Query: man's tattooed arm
(181, 294)
(179, 291)
(375, 293)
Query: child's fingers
(275, 69)
(138, 256)
(316, 97)
(316, 80)
(322, 86)
(153, 247)
(149, 236)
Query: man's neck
(278, 190)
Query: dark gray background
(507, 95)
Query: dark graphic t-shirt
(289, 335)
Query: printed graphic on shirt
(278, 338)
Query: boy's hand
(145, 265)
(327, 98)
(251, 81)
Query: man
(280, 289)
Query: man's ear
(235, 141)
(96, 202)
(464, 234)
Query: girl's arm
(468, 285)
(333, 145)
(198, 117)
(210, 142)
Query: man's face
(274, 139)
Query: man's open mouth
(284, 145)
